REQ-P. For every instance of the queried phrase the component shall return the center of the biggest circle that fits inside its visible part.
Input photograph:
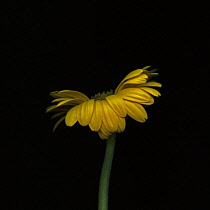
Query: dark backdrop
(161, 164)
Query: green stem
(105, 174)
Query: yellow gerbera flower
(105, 112)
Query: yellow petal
(67, 101)
(152, 84)
(133, 74)
(151, 91)
(121, 125)
(50, 108)
(59, 99)
(136, 111)
(129, 76)
(110, 118)
(147, 84)
(102, 135)
(88, 112)
(85, 111)
(56, 94)
(58, 122)
(136, 95)
(141, 79)
(105, 130)
(79, 109)
(71, 116)
(74, 94)
(63, 102)
(53, 108)
(117, 104)
(151, 101)
(146, 67)
(97, 117)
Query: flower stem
(105, 174)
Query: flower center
(102, 96)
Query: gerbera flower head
(105, 112)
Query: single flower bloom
(105, 112)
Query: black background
(161, 164)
